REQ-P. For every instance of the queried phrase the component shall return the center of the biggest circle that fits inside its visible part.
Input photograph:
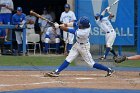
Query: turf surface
(29, 60)
(51, 60)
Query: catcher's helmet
(67, 6)
(84, 22)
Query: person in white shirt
(44, 24)
(106, 26)
(66, 17)
(52, 36)
(6, 8)
(81, 47)
(30, 24)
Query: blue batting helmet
(67, 6)
(84, 22)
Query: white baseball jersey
(107, 27)
(43, 22)
(28, 18)
(52, 32)
(67, 17)
(82, 47)
(8, 3)
(105, 24)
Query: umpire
(19, 20)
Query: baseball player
(105, 24)
(30, 24)
(52, 36)
(66, 17)
(19, 19)
(82, 47)
(44, 24)
(124, 58)
(6, 8)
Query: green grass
(130, 63)
(29, 60)
(50, 60)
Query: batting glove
(56, 25)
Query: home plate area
(23, 80)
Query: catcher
(124, 58)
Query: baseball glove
(120, 59)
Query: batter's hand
(108, 8)
(56, 25)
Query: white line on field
(61, 74)
(84, 78)
(57, 82)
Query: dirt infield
(21, 80)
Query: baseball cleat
(110, 72)
(52, 74)
(102, 58)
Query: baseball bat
(39, 16)
(115, 3)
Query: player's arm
(10, 7)
(103, 13)
(136, 57)
(65, 28)
(61, 18)
(110, 15)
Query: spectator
(52, 13)
(52, 36)
(30, 23)
(66, 17)
(6, 8)
(43, 24)
(19, 20)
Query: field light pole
(24, 35)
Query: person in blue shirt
(19, 19)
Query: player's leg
(26, 41)
(2, 44)
(19, 41)
(86, 55)
(70, 41)
(7, 20)
(57, 44)
(65, 38)
(47, 41)
(110, 38)
(1, 19)
(72, 55)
